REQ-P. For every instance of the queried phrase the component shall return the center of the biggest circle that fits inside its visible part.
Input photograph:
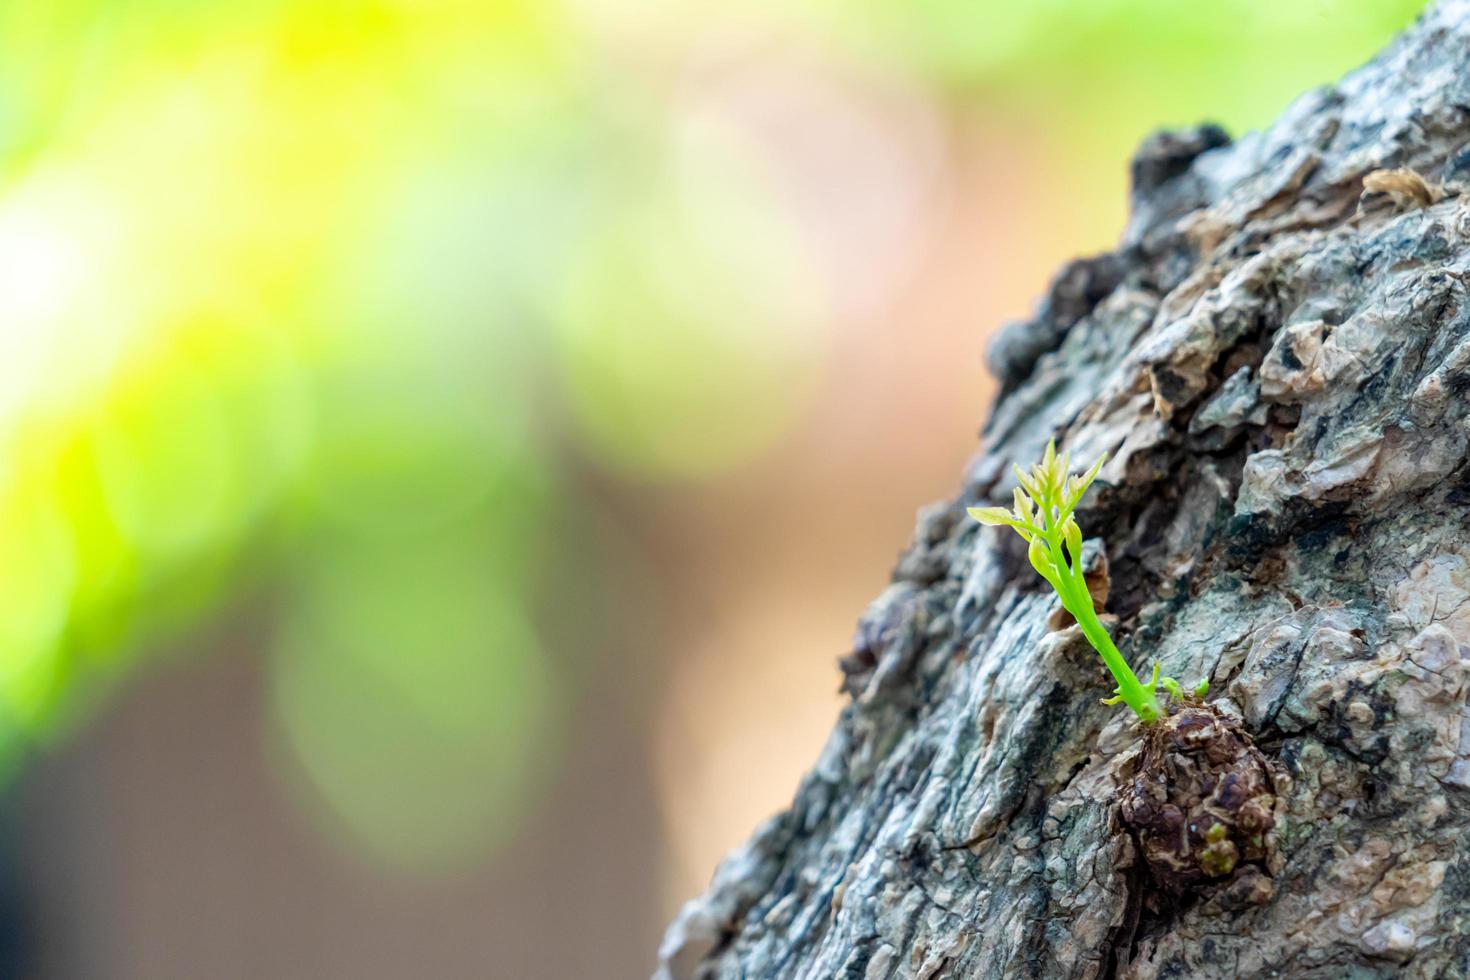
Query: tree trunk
(1277, 358)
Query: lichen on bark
(1277, 358)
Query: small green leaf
(1042, 562)
(992, 516)
(1032, 488)
(1023, 509)
(1073, 535)
(1077, 486)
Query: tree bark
(1277, 358)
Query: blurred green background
(443, 444)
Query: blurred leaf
(414, 699)
(692, 324)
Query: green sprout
(1044, 503)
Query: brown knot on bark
(1202, 803)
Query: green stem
(1072, 588)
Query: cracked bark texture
(1278, 361)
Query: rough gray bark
(1278, 360)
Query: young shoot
(1042, 515)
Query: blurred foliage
(333, 296)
